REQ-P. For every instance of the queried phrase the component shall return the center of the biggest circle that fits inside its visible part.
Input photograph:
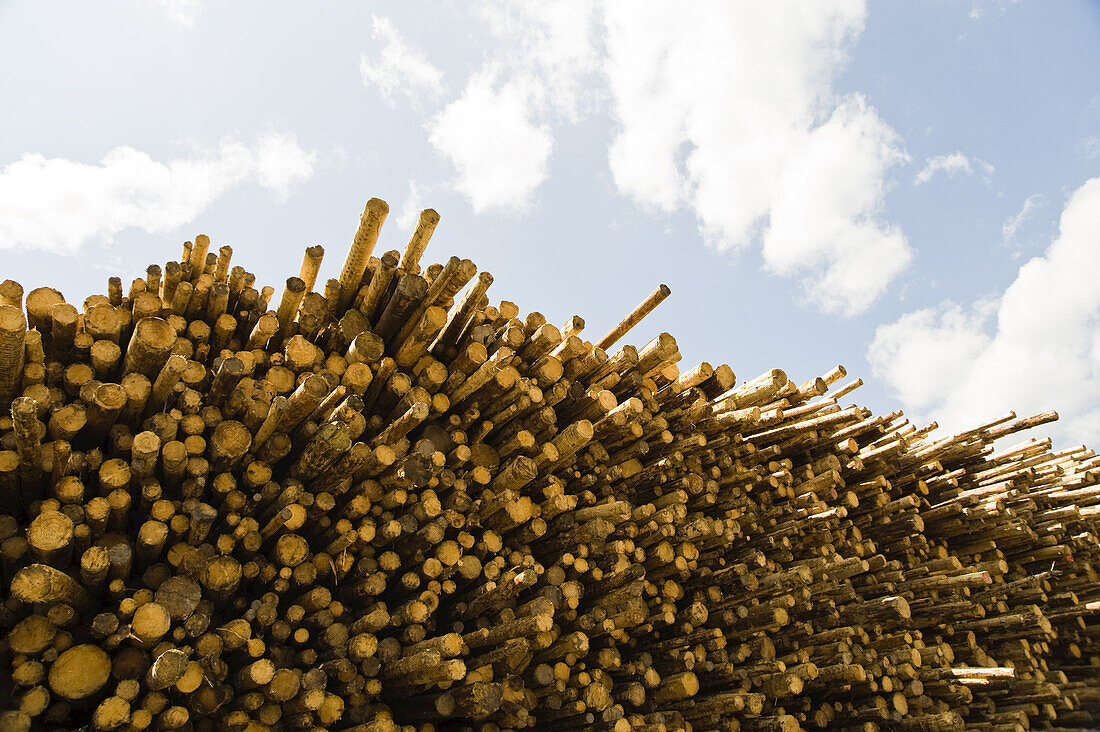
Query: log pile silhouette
(382, 503)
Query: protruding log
(636, 315)
(418, 242)
(370, 225)
(311, 265)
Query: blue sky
(903, 188)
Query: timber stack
(382, 503)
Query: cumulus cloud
(729, 110)
(1012, 225)
(183, 12)
(724, 110)
(57, 204)
(823, 223)
(952, 165)
(922, 351)
(498, 134)
(499, 152)
(1036, 348)
(399, 68)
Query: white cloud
(729, 110)
(952, 165)
(939, 341)
(500, 153)
(1013, 224)
(184, 12)
(1036, 349)
(1089, 146)
(57, 204)
(726, 110)
(980, 8)
(280, 163)
(551, 48)
(540, 62)
(410, 211)
(823, 225)
(400, 68)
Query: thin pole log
(644, 308)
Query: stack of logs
(387, 504)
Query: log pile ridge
(382, 503)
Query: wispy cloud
(952, 165)
(57, 204)
(183, 12)
(280, 163)
(1089, 146)
(981, 8)
(410, 210)
(1012, 225)
(399, 69)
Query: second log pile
(384, 503)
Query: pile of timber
(387, 504)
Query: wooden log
(291, 300)
(371, 298)
(447, 514)
(149, 347)
(370, 225)
(79, 672)
(13, 328)
(11, 294)
(311, 265)
(636, 316)
(418, 242)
